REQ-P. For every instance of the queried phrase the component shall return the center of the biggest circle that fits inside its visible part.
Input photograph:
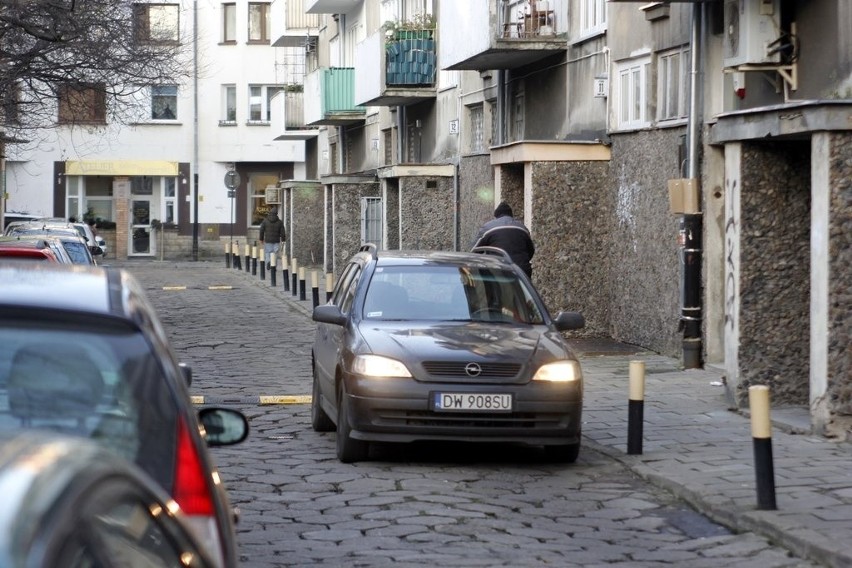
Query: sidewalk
(700, 451)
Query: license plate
(448, 401)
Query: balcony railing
(338, 91)
(410, 59)
(531, 19)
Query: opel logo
(473, 369)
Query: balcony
(331, 6)
(518, 32)
(396, 68)
(330, 97)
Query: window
(592, 17)
(477, 119)
(82, 104)
(164, 102)
(495, 123)
(156, 23)
(260, 102)
(229, 104)
(229, 23)
(10, 99)
(169, 197)
(518, 126)
(257, 183)
(673, 85)
(258, 23)
(371, 221)
(630, 93)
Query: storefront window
(257, 192)
(142, 185)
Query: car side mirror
(186, 371)
(96, 250)
(566, 321)
(223, 426)
(329, 313)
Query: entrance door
(141, 236)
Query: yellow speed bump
(220, 287)
(173, 288)
(297, 399)
(197, 399)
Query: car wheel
(319, 419)
(563, 454)
(348, 449)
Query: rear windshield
(78, 252)
(450, 293)
(100, 382)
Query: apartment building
(683, 166)
(158, 184)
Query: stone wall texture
(476, 196)
(571, 210)
(840, 270)
(392, 213)
(426, 213)
(347, 219)
(645, 276)
(306, 232)
(774, 282)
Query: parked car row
(83, 354)
(77, 239)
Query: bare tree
(59, 56)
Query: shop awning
(120, 168)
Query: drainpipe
(195, 130)
(691, 226)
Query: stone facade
(426, 213)
(347, 220)
(305, 223)
(476, 196)
(774, 280)
(840, 268)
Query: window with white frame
(229, 23)
(164, 102)
(631, 94)
(592, 17)
(169, 198)
(260, 103)
(477, 130)
(229, 104)
(672, 84)
(371, 221)
(258, 22)
(156, 23)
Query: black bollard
(761, 433)
(329, 286)
(248, 257)
(302, 291)
(636, 408)
(285, 280)
(227, 256)
(295, 278)
(314, 288)
(236, 255)
(262, 265)
(273, 271)
(254, 260)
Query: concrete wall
(426, 213)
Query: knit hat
(503, 209)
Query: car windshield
(98, 380)
(456, 293)
(78, 252)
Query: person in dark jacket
(272, 234)
(507, 233)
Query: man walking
(272, 234)
(507, 233)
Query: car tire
(348, 449)
(563, 454)
(319, 419)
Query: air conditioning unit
(273, 195)
(750, 27)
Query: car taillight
(191, 485)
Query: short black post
(636, 408)
(248, 257)
(294, 271)
(302, 291)
(263, 264)
(236, 255)
(254, 259)
(285, 280)
(329, 286)
(227, 255)
(761, 433)
(314, 288)
(273, 271)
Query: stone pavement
(701, 451)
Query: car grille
(457, 369)
(468, 420)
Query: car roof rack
(370, 248)
(493, 251)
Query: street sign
(232, 193)
(232, 179)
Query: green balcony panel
(338, 91)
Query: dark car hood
(464, 341)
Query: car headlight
(378, 366)
(559, 372)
